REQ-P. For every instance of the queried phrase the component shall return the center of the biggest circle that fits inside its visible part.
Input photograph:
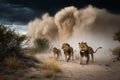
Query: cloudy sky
(23, 11)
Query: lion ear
(85, 43)
(79, 43)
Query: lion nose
(82, 47)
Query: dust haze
(72, 25)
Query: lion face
(65, 46)
(68, 51)
(83, 46)
(54, 49)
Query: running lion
(85, 51)
(68, 51)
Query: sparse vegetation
(9, 42)
(117, 36)
(116, 52)
(11, 62)
(40, 45)
(11, 53)
(50, 68)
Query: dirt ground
(101, 69)
(72, 70)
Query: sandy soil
(74, 71)
(101, 69)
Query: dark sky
(23, 11)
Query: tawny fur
(57, 53)
(68, 51)
(85, 51)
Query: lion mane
(85, 51)
(68, 51)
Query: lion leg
(57, 57)
(72, 56)
(81, 60)
(92, 57)
(65, 57)
(54, 55)
(81, 57)
(88, 57)
(69, 57)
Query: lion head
(83, 46)
(54, 49)
(65, 46)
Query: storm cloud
(23, 11)
(15, 14)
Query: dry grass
(116, 52)
(50, 68)
(11, 62)
(30, 51)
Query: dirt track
(106, 70)
(71, 70)
(75, 71)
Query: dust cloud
(90, 24)
(43, 28)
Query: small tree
(41, 44)
(9, 42)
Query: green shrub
(116, 52)
(9, 42)
(41, 44)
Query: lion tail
(97, 49)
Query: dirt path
(74, 71)
(94, 71)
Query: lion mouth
(82, 51)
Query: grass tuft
(11, 62)
(116, 52)
(51, 68)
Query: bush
(9, 42)
(41, 44)
(117, 36)
(116, 52)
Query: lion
(57, 53)
(85, 51)
(68, 51)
